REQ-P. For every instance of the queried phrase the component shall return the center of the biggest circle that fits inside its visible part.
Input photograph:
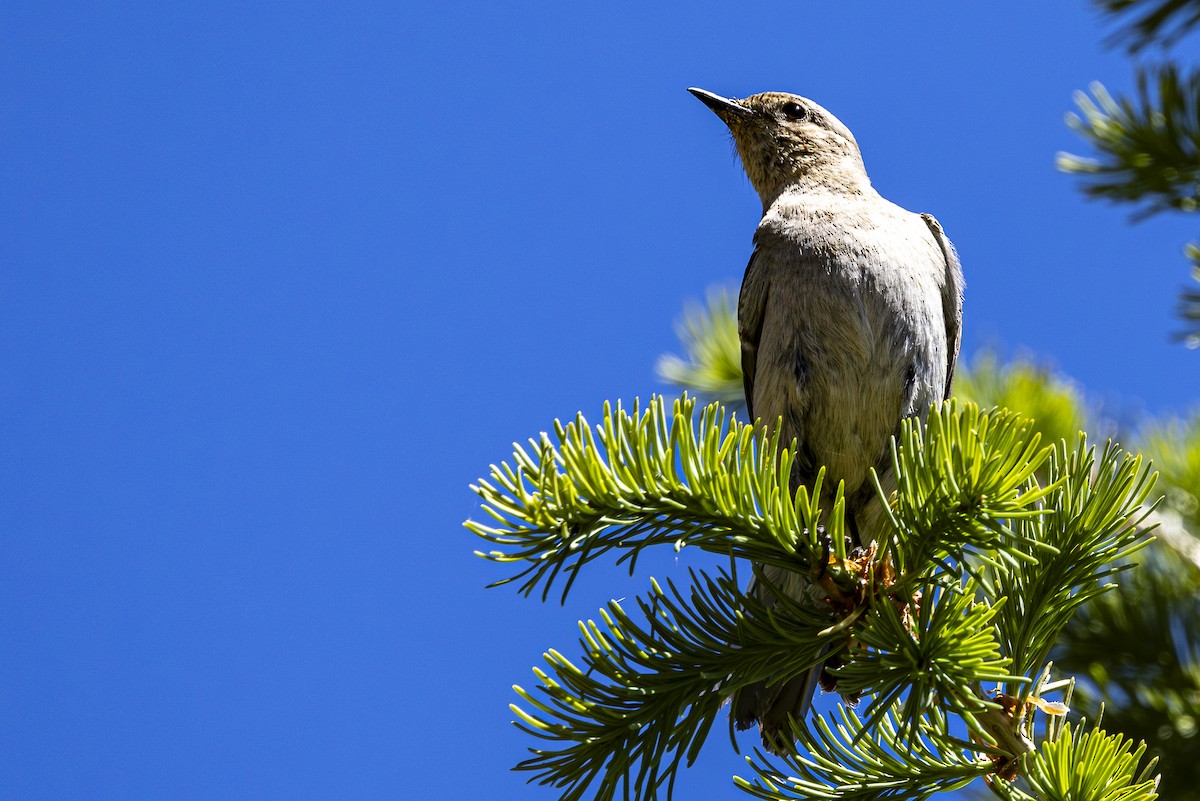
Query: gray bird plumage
(849, 318)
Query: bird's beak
(728, 109)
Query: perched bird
(849, 318)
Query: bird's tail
(775, 706)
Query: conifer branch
(1097, 523)
(927, 653)
(962, 479)
(1091, 766)
(842, 758)
(649, 478)
(646, 693)
(712, 365)
(903, 623)
(1164, 21)
(1148, 145)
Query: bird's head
(785, 139)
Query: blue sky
(280, 280)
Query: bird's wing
(752, 306)
(952, 296)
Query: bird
(850, 319)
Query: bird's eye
(794, 111)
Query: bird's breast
(853, 337)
